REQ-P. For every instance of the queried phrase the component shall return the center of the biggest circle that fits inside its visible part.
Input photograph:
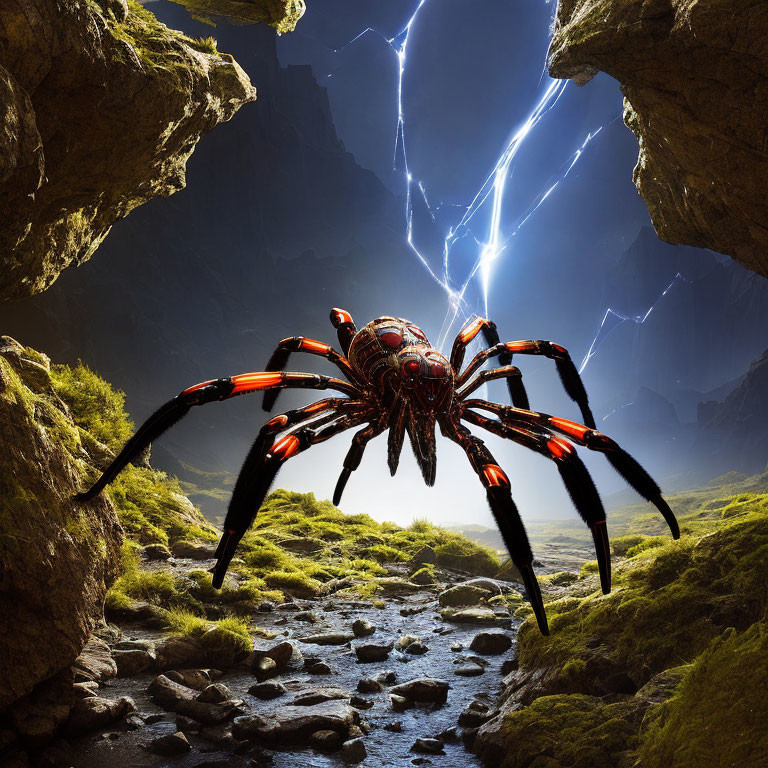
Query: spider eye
(392, 339)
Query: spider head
(425, 379)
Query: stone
(428, 746)
(363, 628)
(424, 577)
(358, 702)
(509, 665)
(132, 662)
(399, 703)
(214, 694)
(309, 616)
(395, 585)
(314, 696)
(84, 690)
(463, 594)
(701, 166)
(265, 668)
(328, 638)
(133, 645)
(96, 712)
(423, 690)
(170, 745)
(353, 751)
(404, 641)
(285, 655)
(267, 691)
(168, 693)
(369, 685)
(95, 662)
(417, 648)
(193, 550)
(475, 615)
(425, 556)
(318, 668)
(474, 715)
(199, 679)
(155, 552)
(396, 727)
(387, 677)
(295, 725)
(179, 652)
(491, 643)
(326, 741)
(468, 670)
(370, 652)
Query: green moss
(95, 406)
(293, 581)
(383, 553)
(719, 712)
(575, 731)
(669, 600)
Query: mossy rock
(223, 647)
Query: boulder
(353, 751)
(463, 594)
(285, 655)
(132, 662)
(328, 638)
(199, 679)
(425, 556)
(369, 652)
(395, 585)
(476, 615)
(295, 725)
(179, 652)
(96, 712)
(491, 643)
(155, 552)
(369, 685)
(95, 662)
(215, 693)
(326, 741)
(170, 745)
(470, 669)
(363, 628)
(313, 696)
(423, 690)
(428, 746)
(66, 180)
(267, 691)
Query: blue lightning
(491, 192)
(613, 319)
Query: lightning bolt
(495, 240)
(613, 319)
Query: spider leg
(355, 454)
(200, 394)
(509, 372)
(396, 437)
(574, 474)
(503, 509)
(257, 475)
(280, 357)
(628, 467)
(569, 374)
(475, 326)
(345, 327)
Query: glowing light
(612, 319)
(494, 242)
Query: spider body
(397, 382)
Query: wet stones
(371, 652)
(369, 685)
(469, 669)
(353, 751)
(95, 662)
(133, 661)
(428, 746)
(426, 690)
(94, 712)
(170, 745)
(463, 594)
(267, 691)
(491, 643)
(363, 628)
(285, 655)
(314, 696)
(329, 638)
(474, 715)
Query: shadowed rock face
(100, 108)
(695, 78)
(57, 559)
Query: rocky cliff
(283, 15)
(695, 77)
(101, 106)
(57, 559)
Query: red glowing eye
(438, 370)
(392, 339)
(412, 366)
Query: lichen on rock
(695, 78)
(57, 558)
(101, 105)
(283, 15)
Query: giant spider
(397, 381)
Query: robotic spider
(395, 380)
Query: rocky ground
(404, 681)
